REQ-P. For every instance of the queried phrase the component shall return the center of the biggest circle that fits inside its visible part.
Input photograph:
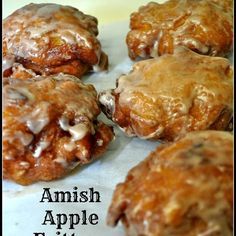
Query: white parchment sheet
(23, 214)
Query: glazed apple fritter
(204, 26)
(166, 97)
(50, 38)
(181, 189)
(49, 127)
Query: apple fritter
(204, 26)
(181, 189)
(51, 38)
(166, 97)
(50, 126)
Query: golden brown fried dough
(181, 189)
(50, 38)
(166, 97)
(49, 127)
(204, 26)
(18, 71)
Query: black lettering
(46, 195)
(94, 194)
(74, 220)
(93, 219)
(60, 196)
(61, 220)
(84, 218)
(83, 196)
(48, 218)
(39, 234)
(75, 194)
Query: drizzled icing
(39, 107)
(159, 92)
(77, 131)
(42, 145)
(36, 28)
(49, 127)
(203, 26)
(38, 118)
(170, 193)
(7, 62)
(168, 76)
(24, 138)
(106, 98)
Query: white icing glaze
(78, 131)
(41, 146)
(70, 146)
(150, 78)
(25, 164)
(193, 42)
(8, 157)
(210, 231)
(169, 209)
(164, 89)
(18, 93)
(41, 23)
(68, 37)
(45, 11)
(54, 99)
(62, 161)
(156, 133)
(17, 67)
(154, 49)
(7, 62)
(38, 119)
(39, 32)
(107, 99)
(152, 186)
(24, 138)
(64, 123)
(188, 23)
(99, 142)
(13, 94)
